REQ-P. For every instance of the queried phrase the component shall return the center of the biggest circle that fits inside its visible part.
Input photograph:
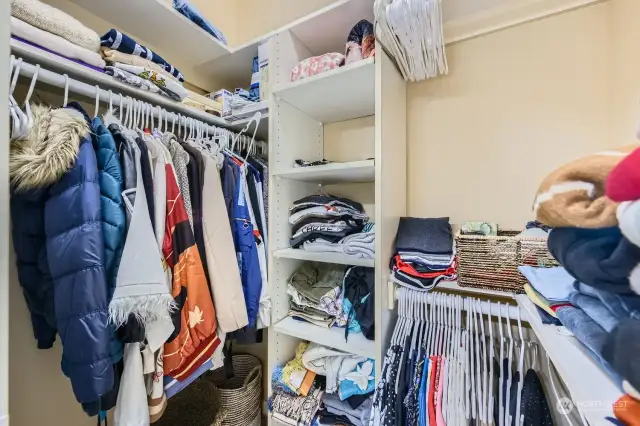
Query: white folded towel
(55, 43)
(55, 21)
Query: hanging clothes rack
(69, 84)
(486, 307)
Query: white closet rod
(75, 86)
(504, 309)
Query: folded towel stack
(325, 217)
(425, 253)
(45, 27)
(360, 244)
(138, 65)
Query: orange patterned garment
(194, 339)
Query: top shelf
(342, 94)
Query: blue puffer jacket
(57, 220)
(75, 250)
(113, 215)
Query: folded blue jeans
(194, 15)
(590, 334)
(620, 305)
(596, 310)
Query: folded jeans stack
(325, 217)
(425, 253)
(42, 26)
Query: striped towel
(114, 39)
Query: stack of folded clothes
(325, 217)
(595, 238)
(323, 386)
(425, 253)
(139, 66)
(42, 26)
(360, 245)
(315, 290)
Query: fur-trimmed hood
(50, 150)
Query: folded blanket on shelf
(54, 43)
(116, 40)
(328, 212)
(55, 21)
(133, 80)
(194, 15)
(574, 194)
(114, 56)
(331, 363)
(172, 88)
(320, 245)
(203, 100)
(602, 258)
(21, 41)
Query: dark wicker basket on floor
(241, 395)
(199, 404)
(491, 262)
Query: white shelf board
(337, 258)
(342, 94)
(355, 171)
(79, 72)
(584, 379)
(331, 337)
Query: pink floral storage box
(317, 65)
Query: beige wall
(516, 104)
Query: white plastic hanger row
(22, 121)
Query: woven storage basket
(241, 395)
(199, 404)
(491, 262)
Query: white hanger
(97, 101)
(27, 105)
(20, 121)
(485, 367)
(502, 391)
(471, 350)
(508, 414)
(66, 90)
(491, 357)
(520, 371)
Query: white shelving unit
(298, 114)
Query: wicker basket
(199, 404)
(241, 395)
(491, 262)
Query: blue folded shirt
(554, 284)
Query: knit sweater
(55, 21)
(574, 194)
